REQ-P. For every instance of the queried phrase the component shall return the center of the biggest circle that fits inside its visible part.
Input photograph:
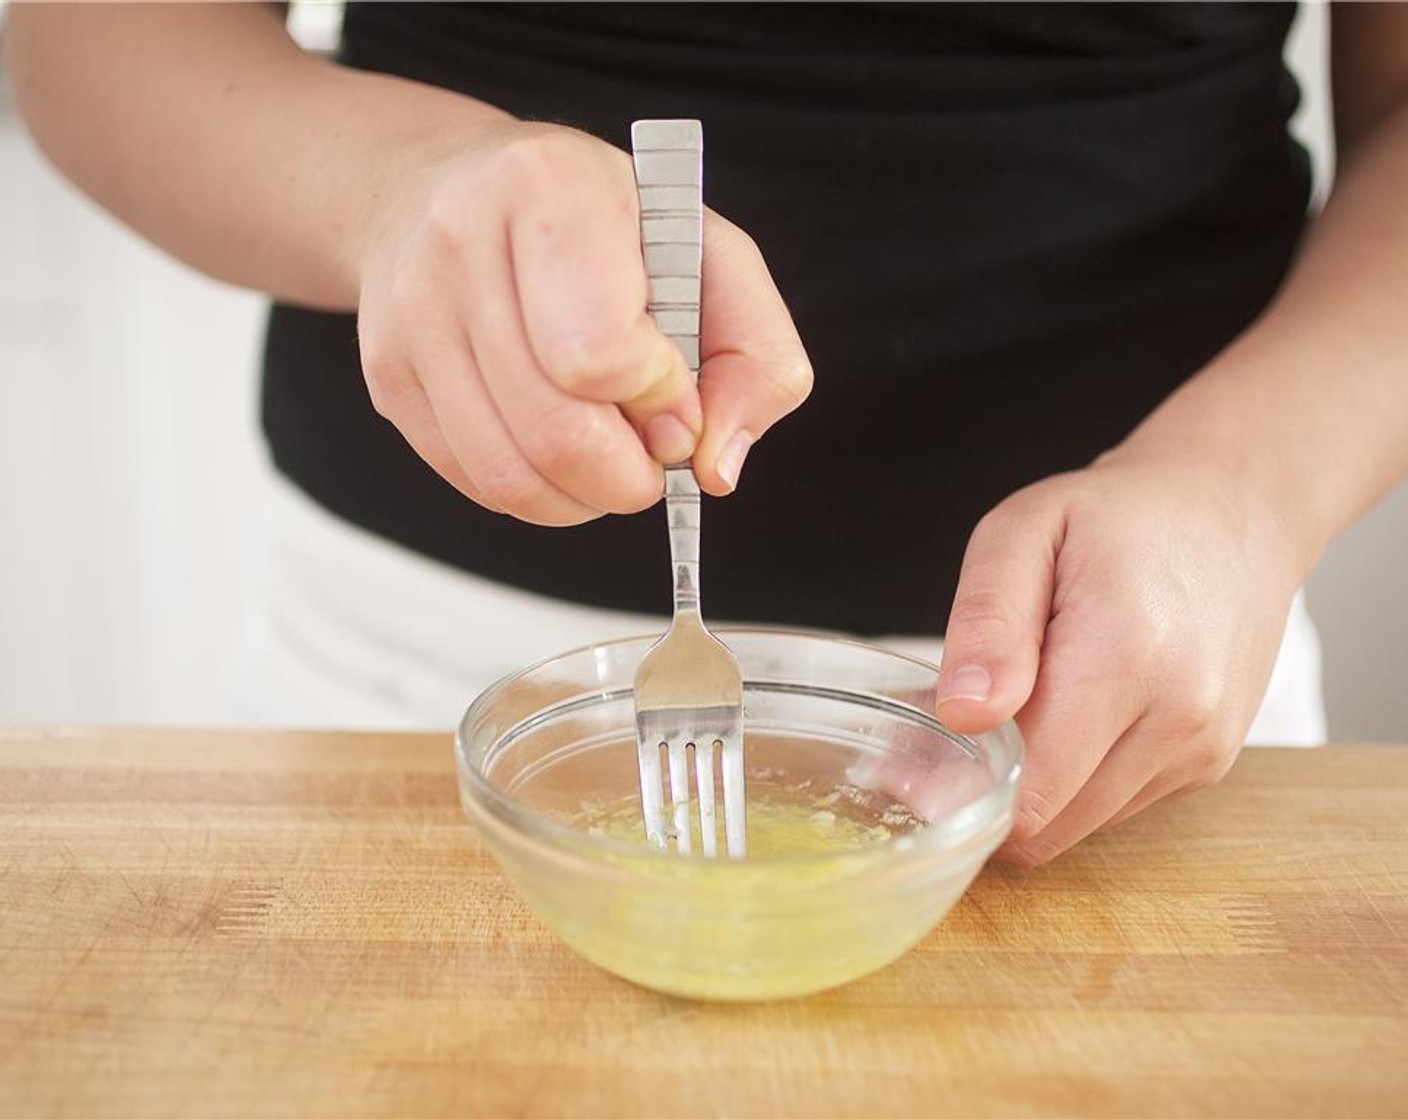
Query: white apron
(353, 631)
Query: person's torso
(1005, 231)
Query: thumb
(992, 645)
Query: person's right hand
(504, 332)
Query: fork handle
(682, 513)
(669, 161)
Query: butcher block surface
(255, 923)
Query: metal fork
(688, 689)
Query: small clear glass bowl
(537, 751)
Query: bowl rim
(992, 809)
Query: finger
(574, 239)
(754, 368)
(930, 784)
(1153, 761)
(587, 449)
(1086, 698)
(1128, 769)
(997, 624)
(397, 396)
(477, 435)
(1173, 784)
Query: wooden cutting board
(274, 924)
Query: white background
(131, 474)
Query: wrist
(1245, 462)
(375, 178)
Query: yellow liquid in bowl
(782, 820)
(766, 926)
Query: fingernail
(967, 682)
(668, 439)
(730, 461)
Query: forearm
(209, 131)
(1310, 405)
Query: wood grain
(298, 924)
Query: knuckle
(792, 380)
(447, 219)
(565, 441)
(1029, 854)
(1034, 813)
(529, 154)
(1197, 722)
(999, 521)
(727, 236)
(1197, 738)
(539, 159)
(980, 612)
(638, 495)
(510, 485)
(1196, 712)
(1210, 755)
(584, 365)
(389, 384)
(573, 447)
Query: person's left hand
(1128, 615)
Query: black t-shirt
(1006, 232)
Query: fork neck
(682, 512)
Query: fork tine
(704, 784)
(734, 811)
(679, 797)
(652, 795)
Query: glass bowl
(843, 728)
